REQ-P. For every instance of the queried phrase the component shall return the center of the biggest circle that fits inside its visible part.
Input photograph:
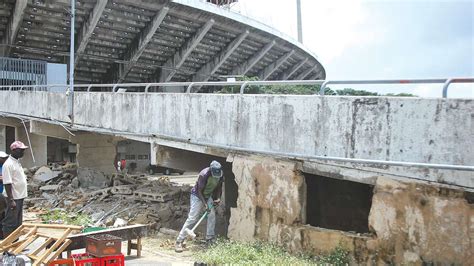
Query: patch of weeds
(258, 253)
(339, 256)
(62, 217)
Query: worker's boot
(178, 247)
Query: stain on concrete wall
(420, 222)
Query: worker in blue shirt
(3, 158)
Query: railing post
(115, 86)
(445, 87)
(323, 87)
(188, 90)
(242, 88)
(147, 87)
(89, 88)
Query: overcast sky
(383, 39)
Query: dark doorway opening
(9, 137)
(338, 204)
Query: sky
(383, 39)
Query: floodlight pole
(70, 90)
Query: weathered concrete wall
(410, 222)
(416, 222)
(271, 195)
(3, 146)
(390, 128)
(96, 151)
(38, 146)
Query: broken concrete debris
(108, 200)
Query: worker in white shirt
(14, 181)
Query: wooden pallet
(53, 244)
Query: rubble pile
(109, 200)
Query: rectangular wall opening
(338, 204)
(9, 138)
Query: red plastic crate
(61, 262)
(116, 260)
(90, 260)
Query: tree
(301, 90)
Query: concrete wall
(3, 146)
(409, 222)
(421, 223)
(96, 151)
(38, 146)
(398, 129)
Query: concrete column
(3, 146)
(96, 151)
(271, 198)
(38, 147)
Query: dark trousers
(13, 218)
(3, 206)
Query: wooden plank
(7, 247)
(56, 245)
(28, 241)
(12, 237)
(54, 226)
(45, 244)
(58, 251)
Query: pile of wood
(42, 243)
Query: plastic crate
(103, 245)
(85, 259)
(117, 260)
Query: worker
(14, 182)
(206, 194)
(3, 158)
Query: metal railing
(114, 87)
(22, 71)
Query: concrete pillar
(38, 147)
(3, 146)
(271, 198)
(96, 151)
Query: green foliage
(226, 252)
(403, 94)
(59, 216)
(301, 90)
(352, 92)
(339, 256)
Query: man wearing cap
(206, 194)
(14, 181)
(3, 205)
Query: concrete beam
(245, 67)
(315, 76)
(88, 27)
(141, 43)
(292, 71)
(13, 26)
(268, 71)
(172, 64)
(213, 65)
(305, 73)
(49, 130)
(11, 122)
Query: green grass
(59, 216)
(230, 252)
